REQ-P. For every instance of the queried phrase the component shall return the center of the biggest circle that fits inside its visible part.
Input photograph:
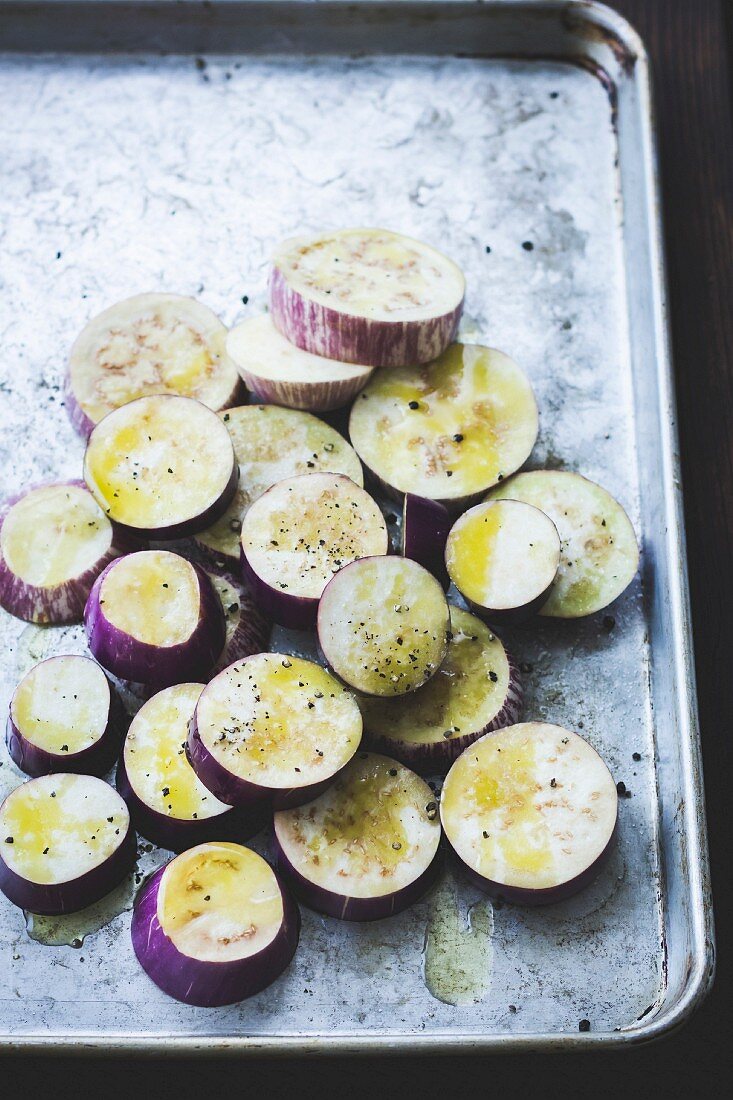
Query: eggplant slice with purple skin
(55, 540)
(149, 344)
(368, 847)
(270, 445)
(298, 534)
(161, 467)
(425, 527)
(477, 690)
(65, 841)
(383, 625)
(449, 430)
(275, 370)
(65, 716)
(503, 558)
(366, 296)
(600, 553)
(530, 812)
(247, 629)
(215, 925)
(156, 619)
(168, 802)
(273, 729)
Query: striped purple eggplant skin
(425, 527)
(102, 735)
(201, 980)
(178, 834)
(157, 665)
(350, 908)
(58, 893)
(477, 690)
(247, 629)
(356, 339)
(37, 593)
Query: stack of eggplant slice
(202, 520)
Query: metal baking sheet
(154, 145)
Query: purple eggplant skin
(208, 984)
(158, 666)
(293, 612)
(425, 527)
(355, 909)
(234, 791)
(435, 758)
(96, 759)
(455, 506)
(64, 603)
(549, 895)
(56, 899)
(252, 632)
(315, 397)
(84, 425)
(510, 616)
(175, 834)
(336, 335)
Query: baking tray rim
(700, 972)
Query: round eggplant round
(273, 729)
(447, 431)
(278, 371)
(476, 690)
(366, 296)
(503, 558)
(149, 344)
(168, 802)
(425, 527)
(383, 625)
(272, 444)
(600, 554)
(214, 926)
(156, 619)
(298, 534)
(368, 847)
(65, 716)
(55, 540)
(247, 629)
(530, 812)
(65, 842)
(162, 467)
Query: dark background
(691, 46)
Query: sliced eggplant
(600, 554)
(162, 467)
(425, 527)
(277, 371)
(365, 849)
(65, 842)
(272, 444)
(155, 618)
(476, 690)
(447, 431)
(214, 925)
(366, 296)
(273, 728)
(247, 629)
(530, 812)
(55, 540)
(383, 625)
(298, 534)
(65, 716)
(149, 344)
(168, 802)
(503, 558)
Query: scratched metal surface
(124, 173)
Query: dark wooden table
(691, 44)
